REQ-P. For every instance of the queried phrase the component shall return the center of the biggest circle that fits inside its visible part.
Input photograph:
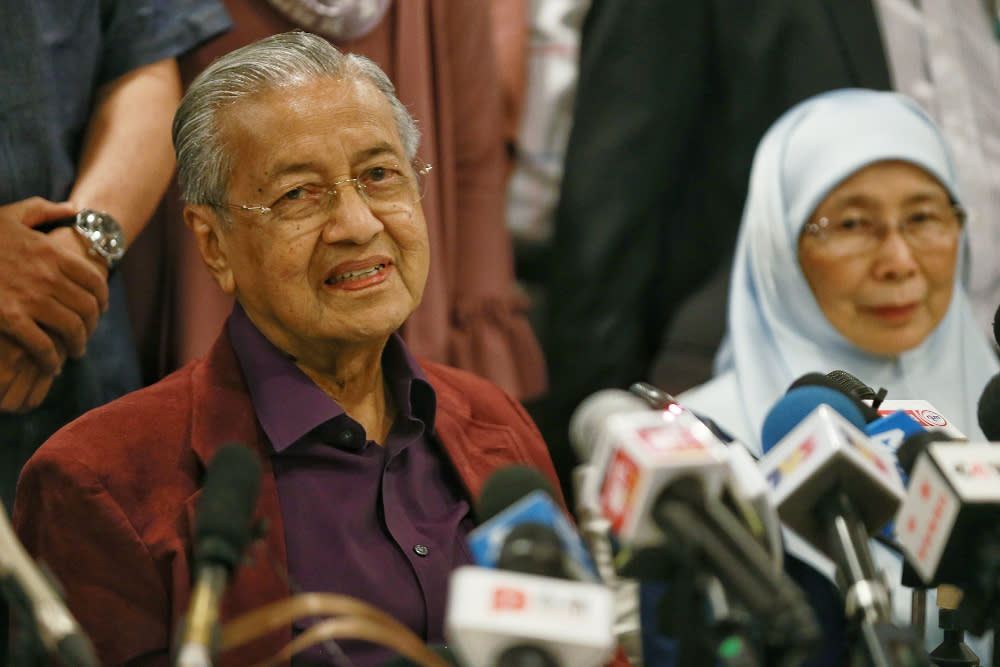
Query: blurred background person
(89, 93)
(550, 63)
(90, 90)
(440, 54)
(671, 102)
(851, 255)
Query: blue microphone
(796, 405)
(516, 506)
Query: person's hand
(23, 383)
(51, 293)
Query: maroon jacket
(108, 502)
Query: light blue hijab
(776, 331)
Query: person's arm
(128, 157)
(125, 168)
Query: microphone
(498, 618)
(747, 491)
(996, 326)
(593, 442)
(988, 410)
(657, 399)
(744, 489)
(32, 593)
(662, 487)
(516, 504)
(534, 609)
(922, 412)
(222, 531)
(844, 383)
(948, 525)
(893, 429)
(638, 451)
(834, 488)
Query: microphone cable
(343, 617)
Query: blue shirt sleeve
(141, 32)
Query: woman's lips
(893, 313)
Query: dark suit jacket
(673, 97)
(108, 502)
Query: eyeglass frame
(816, 229)
(420, 168)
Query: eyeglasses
(930, 226)
(385, 188)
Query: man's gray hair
(204, 166)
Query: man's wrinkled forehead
(353, 113)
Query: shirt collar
(289, 404)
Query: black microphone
(30, 592)
(996, 326)
(223, 528)
(988, 411)
(506, 486)
(850, 386)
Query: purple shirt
(385, 524)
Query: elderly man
(302, 186)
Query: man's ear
(210, 236)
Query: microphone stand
(708, 629)
(977, 609)
(952, 650)
(25, 645)
(866, 597)
(733, 642)
(722, 546)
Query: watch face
(104, 233)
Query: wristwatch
(99, 229)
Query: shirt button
(421, 550)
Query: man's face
(336, 270)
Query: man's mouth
(351, 276)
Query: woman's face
(879, 253)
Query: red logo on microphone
(620, 487)
(509, 599)
(928, 417)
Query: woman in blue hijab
(851, 256)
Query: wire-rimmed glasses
(928, 226)
(387, 188)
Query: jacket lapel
(223, 413)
